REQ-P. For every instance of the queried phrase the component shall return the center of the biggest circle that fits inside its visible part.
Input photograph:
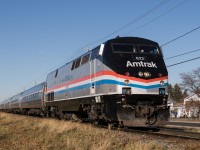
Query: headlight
(140, 74)
(147, 74)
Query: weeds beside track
(28, 133)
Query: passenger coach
(30, 102)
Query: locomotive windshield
(123, 48)
(148, 49)
(133, 49)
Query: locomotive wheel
(152, 119)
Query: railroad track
(166, 132)
(190, 124)
(181, 133)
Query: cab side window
(85, 59)
(80, 61)
(73, 65)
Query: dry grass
(29, 133)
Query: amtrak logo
(141, 64)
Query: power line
(181, 36)
(183, 62)
(123, 27)
(157, 17)
(182, 54)
(132, 22)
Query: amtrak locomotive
(123, 81)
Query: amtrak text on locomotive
(141, 64)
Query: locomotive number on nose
(139, 58)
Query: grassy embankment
(27, 133)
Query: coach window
(85, 59)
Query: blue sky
(40, 35)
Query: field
(30, 133)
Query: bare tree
(191, 81)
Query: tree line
(190, 84)
(176, 93)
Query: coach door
(92, 76)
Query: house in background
(172, 109)
(192, 106)
(177, 110)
